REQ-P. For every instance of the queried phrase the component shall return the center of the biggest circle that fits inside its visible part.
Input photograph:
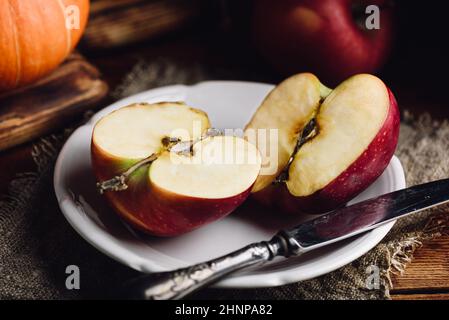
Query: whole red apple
(326, 37)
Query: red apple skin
(321, 37)
(172, 215)
(357, 177)
(153, 210)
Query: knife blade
(329, 228)
(366, 215)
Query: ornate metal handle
(179, 283)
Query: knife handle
(177, 284)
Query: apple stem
(308, 133)
(119, 182)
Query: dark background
(220, 39)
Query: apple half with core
(331, 144)
(166, 172)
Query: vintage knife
(322, 231)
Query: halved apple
(164, 173)
(332, 143)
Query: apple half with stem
(166, 172)
(331, 144)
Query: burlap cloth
(36, 242)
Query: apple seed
(307, 133)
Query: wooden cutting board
(31, 112)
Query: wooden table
(427, 277)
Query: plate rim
(129, 258)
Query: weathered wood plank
(28, 113)
(436, 296)
(429, 269)
(122, 22)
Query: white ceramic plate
(229, 104)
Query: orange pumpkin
(36, 36)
